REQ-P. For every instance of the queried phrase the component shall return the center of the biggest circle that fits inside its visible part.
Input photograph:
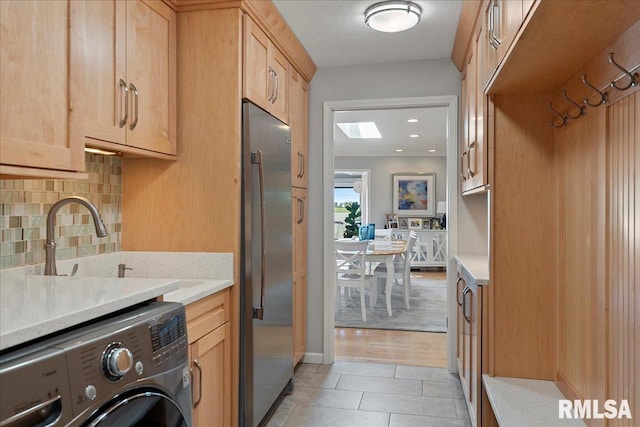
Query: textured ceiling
(334, 32)
(395, 131)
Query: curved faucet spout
(50, 245)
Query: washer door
(149, 408)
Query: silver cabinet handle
(123, 85)
(464, 304)
(256, 159)
(133, 124)
(473, 145)
(198, 366)
(464, 178)
(494, 21)
(300, 164)
(272, 83)
(275, 92)
(300, 210)
(457, 290)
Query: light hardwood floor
(398, 347)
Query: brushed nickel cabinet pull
(133, 124)
(123, 120)
(198, 366)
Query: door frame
(329, 107)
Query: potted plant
(352, 221)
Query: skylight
(360, 130)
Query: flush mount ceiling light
(392, 16)
(412, 120)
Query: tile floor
(353, 394)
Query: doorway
(449, 103)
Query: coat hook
(575, 104)
(604, 96)
(564, 118)
(633, 78)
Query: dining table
(384, 251)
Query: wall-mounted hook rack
(562, 116)
(633, 78)
(604, 96)
(581, 108)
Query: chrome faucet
(50, 245)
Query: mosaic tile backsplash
(24, 205)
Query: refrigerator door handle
(256, 159)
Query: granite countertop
(476, 267)
(35, 306)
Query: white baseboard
(313, 358)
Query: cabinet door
(299, 216)
(299, 121)
(211, 369)
(299, 316)
(475, 375)
(34, 88)
(470, 100)
(256, 86)
(99, 82)
(151, 74)
(279, 68)
(510, 21)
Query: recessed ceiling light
(432, 150)
(415, 135)
(413, 120)
(360, 130)
(399, 150)
(392, 16)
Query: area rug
(427, 308)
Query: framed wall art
(415, 223)
(414, 194)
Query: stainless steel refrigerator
(266, 302)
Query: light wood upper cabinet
(124, 74)
(299, 103)
(265, 72)
(34, 91)
(474, 151)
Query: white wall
(389, 80)
(380, 181)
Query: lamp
(392, 16)
(442, 209)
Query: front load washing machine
(127, 369)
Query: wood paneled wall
(623, 254)
(581, 287)
(523, 261)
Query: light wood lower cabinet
(35, 109)
(299, 206)
(469, 348)
(209, 333)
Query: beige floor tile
(330, 398)
(312, 416)
(316, 380)
(461, 409)
(380, 385)
(282, 414)
(310, 368)
(426, 373)
(403, 420)
(410, 405)
(360, 368)
(442, 389)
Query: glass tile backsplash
(24, 204)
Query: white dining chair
(383, 234)
(401, 268)
(350, 271)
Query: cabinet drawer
(207, 314)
